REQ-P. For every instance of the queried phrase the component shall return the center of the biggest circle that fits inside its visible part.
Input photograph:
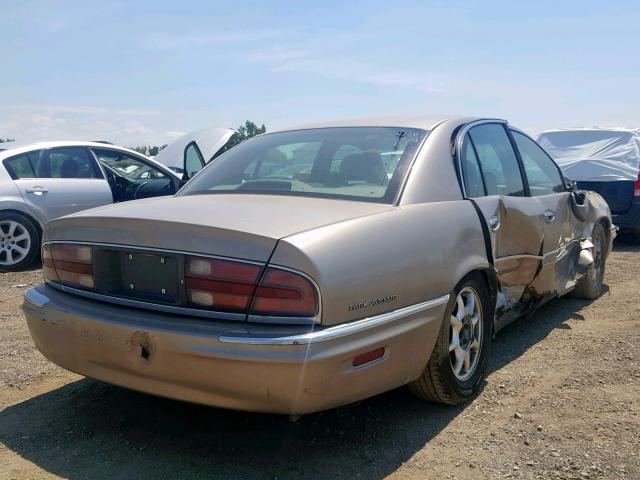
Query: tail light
(68, 264)
(231, 286)
(210, 283)
(221, 284)
(636, 187)
(285, 293)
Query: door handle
(37, 190)
(494, 223)
(549, 216)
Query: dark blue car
(606, 161)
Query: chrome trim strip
(552, 253)
(283, 320)
(522, 255)
(191, 312)
(338, 331)
(34, 297)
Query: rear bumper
(266, 368)
(630, 220)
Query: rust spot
(141, 346)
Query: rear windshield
(358, 163)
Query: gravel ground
(561, 401)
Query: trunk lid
(237, 226)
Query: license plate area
(138, 275)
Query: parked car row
(43, 181)
(313, 267)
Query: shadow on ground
(627, 243)
(87, 429)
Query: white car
(190, 152)
(43, 181)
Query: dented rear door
(517, 237)
(493, 179)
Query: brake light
(285, 293)
(232, 286)
(210, 283)
(636, 187)
(221, 284)
(68, 264)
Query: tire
(590, 285)
(439, 382)
(19, 241)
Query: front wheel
(19, 241)
(590, 285)
(455, 370)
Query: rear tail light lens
(285, 293)
(210, 283)
(231, 286)
(221, 284)
(68, 264)
(636, 187)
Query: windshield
(359, 163)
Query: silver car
(310, 268)
(43, 181)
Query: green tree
(153, 151)
(140, 149)
(248, 130)
(149, 150)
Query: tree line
(247, 130)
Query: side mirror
(580, 205)
(572, 185)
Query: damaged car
(310, 268)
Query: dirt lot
(562, 400)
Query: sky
(139, 73)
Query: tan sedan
(313, 267)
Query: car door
(493, 181)
(546, 186)
(193, 161)
(58, 181)
(132, 177)
(192, 151)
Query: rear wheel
(19, 241)
(590, 285)
(456, 367)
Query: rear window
(359, 163)
(21, 167)
(60, 162)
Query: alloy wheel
(15, 242)
(465, 334)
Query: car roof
(407, 121)
(24, 148)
